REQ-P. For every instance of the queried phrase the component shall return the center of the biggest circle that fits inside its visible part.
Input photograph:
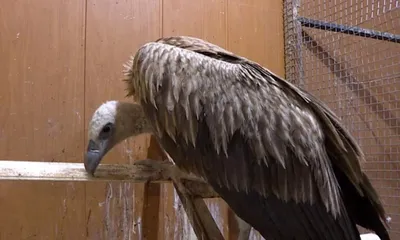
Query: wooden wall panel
(207, 20)
(255, 31)
(114, 31)
(59, 62)
(41, 109)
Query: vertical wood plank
(41, 109)
(205, 19)
(115, 29)
(261, 40)
(261, 37)
(151, 209)
(42, 49)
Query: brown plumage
(277, 155)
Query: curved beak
(94, 154)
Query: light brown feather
(186, 79)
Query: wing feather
(282, 124)
(243, 128)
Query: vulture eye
(106, 131)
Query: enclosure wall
(58, 61)
(357, 76)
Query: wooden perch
(190, 188)
(138, 172)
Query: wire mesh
(331, 53)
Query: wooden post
(151, 201)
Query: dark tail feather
(366, 216)
(276, 219)
(366, 210)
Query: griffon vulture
(277, 155)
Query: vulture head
(110, 124)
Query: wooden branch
(139, 172)
(238, 229)
(244, 228)
(199, 215)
